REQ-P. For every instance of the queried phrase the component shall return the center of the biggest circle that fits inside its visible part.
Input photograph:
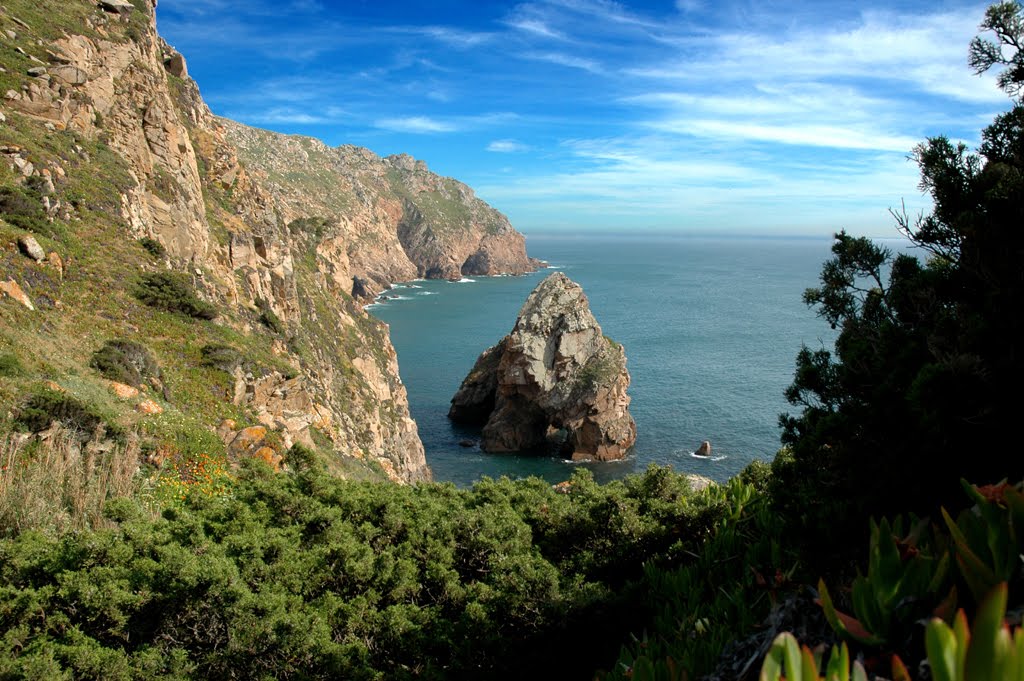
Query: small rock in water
(467, 443)
(704, 449)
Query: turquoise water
(711, 328)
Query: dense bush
(914, 396)
(153, 247)
(223, 357)
(10, 365)
(269, 318)
(173, 292)
(125, 361)
(307, 576)
(22, 207)
(42, 408)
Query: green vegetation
(126, 362)
(915, 395)
(47, 406)
(153, 247)
(308, 575)
(220, 356)
(269, 318)
(173, 292)
(137, 547)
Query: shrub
(10, 365)
(172, 292)
(155, 248)
(223, 357)
(43, 408)
(268, 318)
(22, 207)
(125, 361)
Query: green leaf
(979, 577)
(772, 667)
(808, 667)
(842, 623)
(941, 645)
(983, 655)
(838, 664)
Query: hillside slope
(112, 162)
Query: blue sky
(691, 115)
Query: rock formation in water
(103, 135)
(555, 383)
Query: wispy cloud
(564, 60)
(536, 27)
(507, 146)
(418, 125)
(721, 111)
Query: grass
(59, 484)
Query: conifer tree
(924, 385)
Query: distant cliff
(391, 217)
(112, 160)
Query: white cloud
(564, 60)
(536, 27)
(415, 125)
(507, 146)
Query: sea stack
(554, 384)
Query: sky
(696, 116)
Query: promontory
(555, 384)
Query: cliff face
(277, 232)
(555, 382)
(391, 218)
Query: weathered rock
(467, 443)
(360, 288)
(12, 289)
(56, 262)
(704, 449)
(123, 391)
(175, 65)
(116, 6)
(28, 245)
(554, 383)
(149, 407)
(70, 75)
(699, 482)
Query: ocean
(711, 328)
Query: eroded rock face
(385, 219)
(554, 383)
(186, 186)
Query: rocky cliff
(113, 161)
(554, 383)
(387, 219)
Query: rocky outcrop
(555, 383)
(182, 183)
(383, 219)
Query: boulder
(116, 6)
(704, 449)
(554, 384)
(149, 408)
(175, 65)
(360, 288)
(28, 245)
(12, 289)
(70, 75)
